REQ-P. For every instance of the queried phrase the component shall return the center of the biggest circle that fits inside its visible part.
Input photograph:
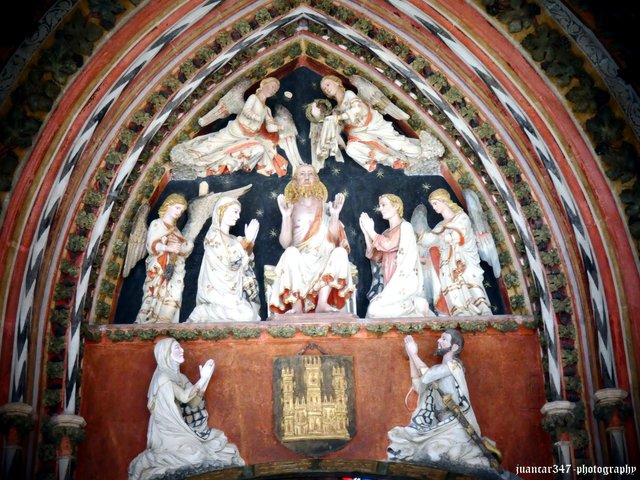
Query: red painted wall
(503, 373)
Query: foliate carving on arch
(75, 243)
(450, 92)
(436, 79)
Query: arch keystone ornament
(314, 401)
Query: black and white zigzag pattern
(38, 246)
(493, 171)
(19, 366)
(595, 283)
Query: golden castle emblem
(314, 415)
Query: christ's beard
(294, 191)
(310, 190)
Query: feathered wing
(231, 102)
(136, 248)
(372, 94)
(484, 239)
(419, 221)
(287, 134)
(201, 208)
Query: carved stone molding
(557, 408)
(610, 396)
(16, 415)
(610, 403)
(68, 430)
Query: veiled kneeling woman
(178, 436)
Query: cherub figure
(321, 149)
(371, 140)
(166, 249)
(249, 141)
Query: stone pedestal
(68, 430)
(610, 409)
(558, 419)
(16, 420)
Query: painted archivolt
(103, 308)
(80, 32)
(116, 175)
(319, 52)
(496, 148)
(127, 139)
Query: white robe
(226, 282)
(161, 296)
(403, 293)
(434, 433)
(310, 265)
(372, 139)
(171, 443)
(244, 144)
(461, 289)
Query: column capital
(608, 396)
(68, 427)
(68, 420)
(558, 413)
(16, 415)
(610, 403)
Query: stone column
(68, 430)
(558, 420)
(16, 420)
(611, 409)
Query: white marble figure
(371, 140)
(178, 436)
(313, 274)
(249, 141)
(394, 253)
(435, 433)
(167, 250)
(227, 286)
(457, 277)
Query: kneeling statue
(178, 436)
(443, 426)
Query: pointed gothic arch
(103, 146)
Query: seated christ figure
(313, 274)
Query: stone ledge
(310, 325)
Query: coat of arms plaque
(314, 405)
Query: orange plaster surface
(506, 392)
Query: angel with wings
(166, 249)
(249, 141)
(451, 254)
(371, 140)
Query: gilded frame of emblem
(314, 402)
